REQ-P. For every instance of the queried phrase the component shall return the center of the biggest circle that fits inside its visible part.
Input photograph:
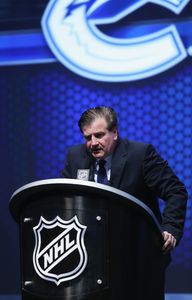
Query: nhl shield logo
(59, 254)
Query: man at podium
(130, 166)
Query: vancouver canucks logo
(59, 254)
(70, 28)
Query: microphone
(91, 173)
(110, 183)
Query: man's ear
(115, 131)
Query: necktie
(102, 174)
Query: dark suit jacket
(137, 169)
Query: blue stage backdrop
(41, 102)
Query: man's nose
(94, 140)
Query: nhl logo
(59, 254)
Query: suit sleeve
(160, 178)
(67, 171)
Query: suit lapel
(87, 162)
(118, 164)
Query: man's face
(99, 140)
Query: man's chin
(97, 154)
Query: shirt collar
(108, 161)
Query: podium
(80, 240)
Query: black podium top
(75, 186)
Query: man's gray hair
(94, 113)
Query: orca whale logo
(59, 254)
(71, 30)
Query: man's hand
(169, 242)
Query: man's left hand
(169, 242)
